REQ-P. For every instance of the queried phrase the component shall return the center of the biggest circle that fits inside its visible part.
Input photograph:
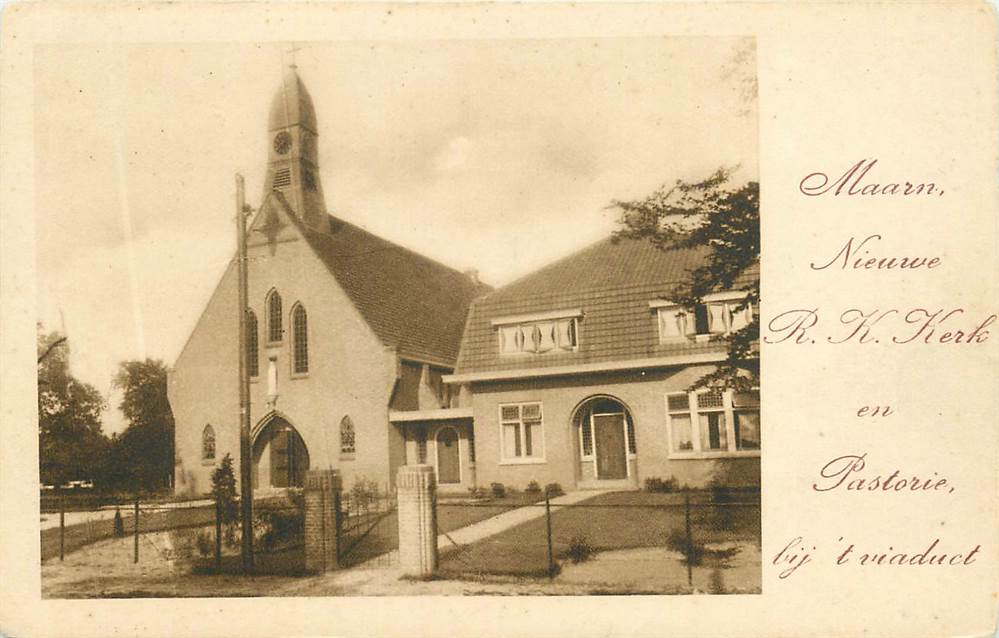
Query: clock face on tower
(282, 142)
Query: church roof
(611, 282)
(410, 301)
(292, 104)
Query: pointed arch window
(252, 345)
(208, 443)
(274, 316)
(300, 339)
(347, 436)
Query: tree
(724, 219)
(224, 494)
(71, 445)
(145, 448)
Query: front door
(608, 432)
(448, 459)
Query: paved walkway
(506, 520)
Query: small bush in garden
(656, 484)
(720, 493)
(579, 550)
(553, 489)
(477, 492)
(499, 490)
(278, 526)
(204, 543)
(532, 488)
(364, 493)
(692, 551)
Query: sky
(499, 156)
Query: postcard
(598, 319)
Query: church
(344, 328)
(365, 356)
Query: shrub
(656, 484)
(364, 493)
(580, 549)
(532, 488)
(553, 489)
(477, 492)
(204, 543)
(499, 490)
(720, 493)
(278, 526)
(691, 550)
(119, 525)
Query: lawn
(606, 522)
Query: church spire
(293, 163)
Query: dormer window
(718, 315)
(539, 334)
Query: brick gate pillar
(417, 496)
(322, 492)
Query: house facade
(579, 374)
(343, 328)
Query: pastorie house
(365, 356)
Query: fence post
(62, 528)
(548, 523)
(320, 546)
(218, 534)
(416, 490)
(135, 558)
(690, 540)
(338, 526)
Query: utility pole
(245, 452)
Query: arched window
(208, 443)
(274, 314)
(252, 345)
(347, 440)
(300, 336)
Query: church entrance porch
(280, 457)
(444, 439)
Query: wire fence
(622, 542)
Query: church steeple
(293, 163)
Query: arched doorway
(280, 458)
(606, 436)
(448, 457)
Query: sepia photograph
(398, 318)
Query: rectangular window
(709, 422)
(586, 433)
(716, 317)
(522, 432)
(746, 407)
(538, 337)
(678, 405)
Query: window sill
(524, 461)
(683, 456)
(273, 344)
(207, 462)
(347, 456)
(299, 375)
(546, 353)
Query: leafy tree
(724, 219)
(145, 448)
(71, 445)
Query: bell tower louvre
(293, 163)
